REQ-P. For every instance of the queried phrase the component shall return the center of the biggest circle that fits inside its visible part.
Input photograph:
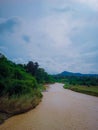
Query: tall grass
(13, 105)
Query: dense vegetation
(20, 86)
(83, 84)
(39, 73)
(78, 80)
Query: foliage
(14, 80)
(78, 80)
(39, 73)
(83, 84)
(92, 90)
(19, 79)
(19, 90)
(20, 86)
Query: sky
(61, 35)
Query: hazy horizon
(60, 35)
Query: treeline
(17, 79)
(39, 73)
(13, 79)
(20, 86)
(78, 80)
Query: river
(60, 109)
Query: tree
(32, 68)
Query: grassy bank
(92, 90)
(18, 104)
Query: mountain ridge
(67, 73)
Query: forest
(17, 79)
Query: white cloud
(56, 28)
(59, 40)
(91, 3)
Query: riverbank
(20, 86)
(17, 105)
(92, 90)
(60, 109)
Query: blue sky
(58, 34)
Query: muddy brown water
(60, 109)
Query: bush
(2, 88)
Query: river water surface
(60, 109)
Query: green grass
(92, 90)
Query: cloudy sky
(58, 34)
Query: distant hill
(66, 73)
